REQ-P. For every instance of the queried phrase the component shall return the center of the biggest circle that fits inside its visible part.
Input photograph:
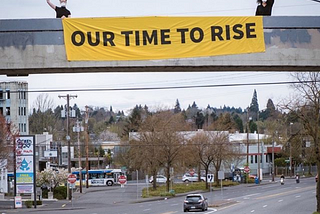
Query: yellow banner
(150, 38)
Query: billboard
(152, 38)
(25, 170)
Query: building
(14, 105)
(252, 141)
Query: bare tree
(200, 149)
(158, 143)
(42, 117)
(43, 102)
(7, 134)
(222, 149)
(306, 105)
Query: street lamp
(273, 156)
(290, 167)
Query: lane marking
(252, 211)
(170, 212)
(213, 210)
(237, 202)
(174, 204)
(280, 200)
(264, 206)
(146, 210)
(63, 205)
(285, 193)
(298, 196)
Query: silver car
(192, 178)
(160, 179)
(195, 201)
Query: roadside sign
(18, 202)
(220, 175)
(210, 178)
(246, 169)
(72, 178)
(122, 179)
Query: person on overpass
(264, 7)
(62, 11)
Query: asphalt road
(243, 199)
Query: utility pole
(291, 151)
(259, 157)
(79, 129)
(67, 97)
(248, 136)
(87, 145)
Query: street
(242, 199)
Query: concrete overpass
(36, 46)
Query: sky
(155, 99)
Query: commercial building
(14, 105)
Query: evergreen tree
(254, 106)
(111, 109)
(239, 123)
(194, 105)
(269, 112)
(177, 108)
(199, 120)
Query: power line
(165, 87)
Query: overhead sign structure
(151, 38)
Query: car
(316, 178)
(192, 177)
(160, 179)
(252, 176)
(195, 201)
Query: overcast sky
(124, 100)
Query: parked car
(192, 178)
(252, 176)
(160, 179)
(316, 178)
(195, 201)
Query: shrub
(60, 192)
(30, 203)
(45, 193)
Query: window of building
(256, 159)
(1, 110)
(251, 159)
(24, 111)
(1, 95)
(8, 111)
(25, 127)
(8, 94)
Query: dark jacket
(265, 11)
